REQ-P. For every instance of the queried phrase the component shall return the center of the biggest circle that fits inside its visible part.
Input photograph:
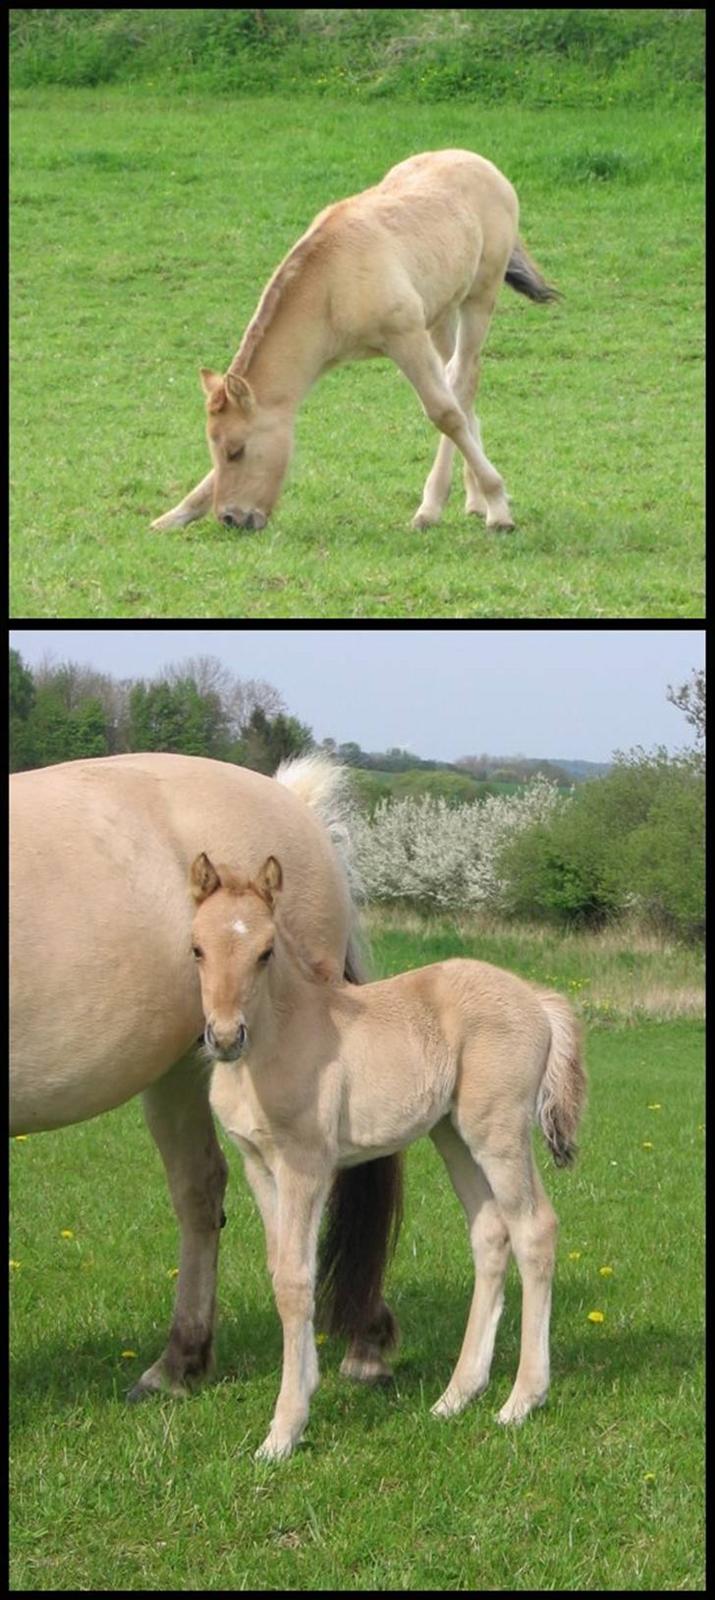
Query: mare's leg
(196, 504)
(508, 1163)
(177, 1111)
(490, 1248)
(301, 1197)
(417, 357)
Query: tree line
(65, 711)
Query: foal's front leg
(301, 1196)
(196, 504)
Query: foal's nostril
(241, 1036)
(209, 1034)
(228, 520)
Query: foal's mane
(274, 293)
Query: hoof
(501, 526)
(422, 521)
(372, 1371)
(170, 520)
(154, 1382)
(517, 1408)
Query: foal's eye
(265, 957)
(235, 455)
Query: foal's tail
(364, 1209)
(523, 275)
(562, 1094)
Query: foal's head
(233, 935)
(250, 448)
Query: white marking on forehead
(239, 926)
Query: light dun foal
(409, 269)
(312, 1075)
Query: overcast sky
(578, 693)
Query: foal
(409, 269)
(311, 1075)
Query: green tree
(267, 741)
(22, 700)
(690, 699)
(630, 841)
(176, 717)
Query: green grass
(540, 57)
(145, 227)
(601, 1490)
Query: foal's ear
(214, 388)
(203, 878)
(270, 879)
(240, 392)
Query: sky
(575, 693)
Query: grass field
(601, 1490)
(145, 226)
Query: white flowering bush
(441, 856)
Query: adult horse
(106, 1001)
(409, 269)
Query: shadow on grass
(433, 1323)
(64, 1375)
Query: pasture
(600, 1490)
(145, 227)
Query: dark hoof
(139, 1392)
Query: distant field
(144, 228)
(601, 1490)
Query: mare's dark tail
(364, 1209)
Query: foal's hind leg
(437, 485)
(194, 505)
(490, 1248)
(177, 1112)
(417, 357)
(463, 374)
(518, 1191)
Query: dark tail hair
(364, 1214)
(523, 275)
(562, 1094)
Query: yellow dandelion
(14, 1264)
(66, 1233)
(647, 1144)
(321, 1338)
(574, 1255)
(649, 1477)
(20, 1138)
(606, 1272)
(128, 1355)
(595, 1316)
(655, 1106)
(173, 1272)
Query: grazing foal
(409, 269)
(312, 1075)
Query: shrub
(441, 856)
(631, 841)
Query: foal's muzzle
(251, 520)
(226, 1052)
